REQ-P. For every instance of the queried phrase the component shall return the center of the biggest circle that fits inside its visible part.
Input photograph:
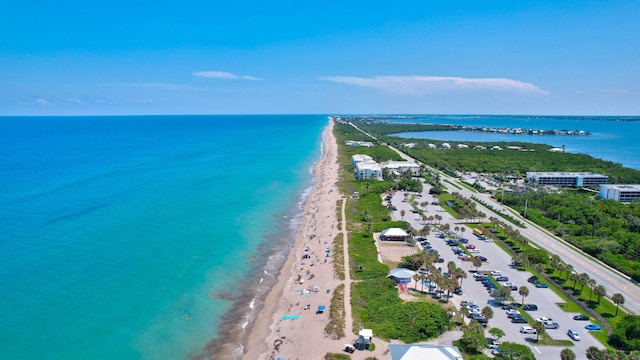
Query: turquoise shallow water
(133, 237)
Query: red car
(470, 246)
(465, 258)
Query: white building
(567, 179)
(360, 158)
(621, 192)
(358, 143)
(431, 146)
(462, 146)
(368, 170)
(496, 148)
(445, 146)
(400, 167)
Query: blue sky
(350, 57)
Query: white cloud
(223, 75)
(42, 102)
(74, 101)
(416, 85)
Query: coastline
(269, 336)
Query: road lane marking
(535, 347)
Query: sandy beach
(284, 328)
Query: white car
(496, 273)
(573, 335)
(474, 251)
(513, 312)
(527, 330)
(543, 319)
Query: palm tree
(540, 328)
(416, 278)
(618, 299)
(402, 212)
(574, 277)
(592, 284)
(568, 269)
(593, 353)
(539, 268)
(465, 312)
(450, 267)
(456, 229)
(524, 292)
(477, 263)
(462, 230)
(459, 274)
(600, 291)
(583, 279)
(567, 354)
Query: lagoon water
(612, 139)
(132, 237)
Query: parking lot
(498, 260)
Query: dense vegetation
(375, 300)
(605, 229)
(379, 307)
(487, 161)
(626, 336)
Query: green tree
(476, 262)
(512, 351)
(567, 354)
(600, 291)
(618, 299)
(487, 312)
(402, 213)
(626, 335)
(497, 333)
(593, 353)
(540, 329)
(501, 294)
(524, 292)
(472, 342)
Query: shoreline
(270, 336)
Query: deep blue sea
(612, 139)
(135, 237)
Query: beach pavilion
(394, 234)
(401, 275)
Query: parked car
(593, 327)
(533, 279)
(440, 260)
(494, 344)
(551, 325)
(530, 307)
(458, 291)
(474, 251)
(519, 320)
(581, 317)
(512, 311)
(465, 258)
(469, 246)
(482, 258)
(496, 273)
(514, 314)
(502, 278)
(527, 330)
(495, 351)
(543, 319)
(464, 241)
(542, 285)
(573, 335)
(508, 307)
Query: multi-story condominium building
(567, 179)
(621, 192)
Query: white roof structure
(424, 351)
(394, 232)
(402, 273)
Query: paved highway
(613, 281)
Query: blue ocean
(144, 237)
(612, 138)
